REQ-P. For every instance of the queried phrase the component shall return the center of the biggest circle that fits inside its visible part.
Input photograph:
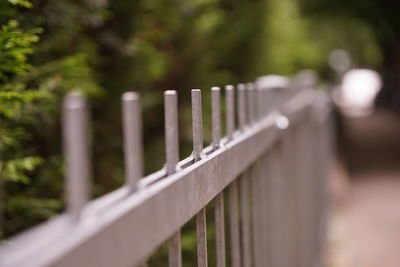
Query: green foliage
(15, 170)
(30, 92)
(15, 45)
(292, 48)
(23, 3)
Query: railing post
(197, 123)
(245, 96)
(172, 158)
(233, 191)
(230, 110)
(201, 227)
(241, 89)
(216, 116)
(219, 200)
(133, 150)
(75, 129)
(234, 222)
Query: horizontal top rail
(114, 229)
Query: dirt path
(365, 226)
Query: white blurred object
(358, 91)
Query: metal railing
(273, 166)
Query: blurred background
(103, 48)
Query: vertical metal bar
(230, 110)
(133, 150)
(175, 250)
(197, 124)
(172, 158)
(316, 176)
(197, 150)
(241, 105)
(251, 105)
(216, 116)
(260, 101)
(201, 230)
(290, 194)
(265, 213)
(304, 144)
(233, 192)
(323, 130)
(256, 203)
(243, 181)
(265, 106)
(219, 200)
(275, 192)
(75, 130)
(234, 222)
(257, 101)
(272, 218)
(171, 131)
(245, 218)
(285, 204)
(220, 230)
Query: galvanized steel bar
(220, 230)
(275, 191)
(75, 130)
(241, 89)
(245, 207)
(216, 116)
(197, 124)
(256, 220)
(251, 103)
(133, 148)
(201, 230)
(219, 200)
(175, 250)
(302, 186)
(234, 222)
(171, 130)
(284, 205)
(290, 186)
(235, 226)
(172, 158)
(265, 209)
(244, 114)
(325, 131)
(230, 110)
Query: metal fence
(272, 162)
